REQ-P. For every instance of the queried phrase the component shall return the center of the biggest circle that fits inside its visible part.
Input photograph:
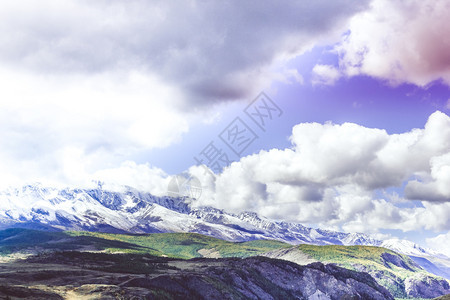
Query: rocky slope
(398, 273)
(109, 276)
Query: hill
(124, 276)
(177, 245)
(398, 273)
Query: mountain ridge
(133, 211)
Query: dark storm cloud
(212, 51)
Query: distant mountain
(132, 211)
(406, 247)
(430, 260)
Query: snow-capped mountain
(97, 209)
(430, 260)
(405, 247)
(133, 211)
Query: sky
(332, 114)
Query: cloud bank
(340, 175)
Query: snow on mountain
(360, 239)
(404, 246)
(412, 249)
(132, 211)
(428, 259)
(137, 212)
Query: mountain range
(132, 211)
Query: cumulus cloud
(140, 176)
(401, 41)
(212, 51)
(435, 187)
(332, 173)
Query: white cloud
(207, 180)
(142, 177)
(52, 128)
(331, 173)
(325, 74)
(440, 243)
(432, 216)
(401, 41)
(435, 187)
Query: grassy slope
(18, 239)
(371, 258)
(177, 245)
(186, 245)
(349, 256)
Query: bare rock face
(426, 287)
(422, 286)
(265, 278)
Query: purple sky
(364, 100)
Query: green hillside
(177, 245)
(187, 245)
(369, 256)
(19, 240)
(389, 268)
